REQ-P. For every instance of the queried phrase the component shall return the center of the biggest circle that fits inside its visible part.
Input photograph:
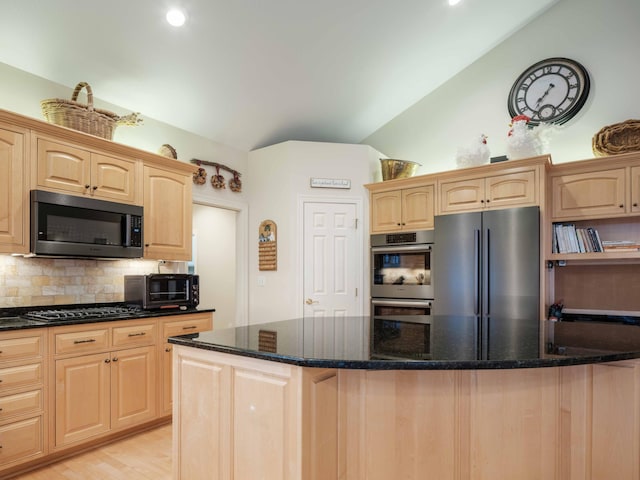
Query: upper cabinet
(167, 214)
(601, 193)
(510, 184)
(403, 209)
(14, 189)
(77, 170)
(38, 155)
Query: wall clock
(550, 91)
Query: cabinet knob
(115, 359)
(621, 206)
(481, 201)
(168, 349)
(399, 224)
(488, 201)
(107, 360)
(635, 205)
(87, 186)
(95, 187)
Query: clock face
(550, 91)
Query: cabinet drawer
(18, 348)
(20, 403)
(134, 335)
(20, 440)
(82, 342)
(22, 375)
(191, 325)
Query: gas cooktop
(106, 312)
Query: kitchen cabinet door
(176, 325)
(14, 191)
(167, 214)
(418, 207)
(407, 209)
(71, 169)
(82, 398)
(496, 191)
(133, 386)
(591, 194)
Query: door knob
(310, 302)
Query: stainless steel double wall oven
(401, 280)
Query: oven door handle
(402, 248)
(402, 303)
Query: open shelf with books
(596, 239)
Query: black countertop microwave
(162, 290)
(72, 226)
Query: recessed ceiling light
(176, 17)
(454, 2)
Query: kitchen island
(403, 397)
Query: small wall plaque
(267, 246)
(330, 183)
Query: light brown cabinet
(105, 378)
(22, 397)
(14, 190)
(78, 170)
(406, 209)
(167, 214)
(501, 190)
(171, 327)
(596, 188)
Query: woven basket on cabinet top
(85, 118)
(621, 137)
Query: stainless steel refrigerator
(486, 266)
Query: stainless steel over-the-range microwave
(73, 226)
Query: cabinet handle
(399, 224)
(168, 349)
(488, 201)
(139, 334)
(107, 360)
(481, 201)
(95, 187)
(115, 359)
(88, 340)
(189, 328)
(635, 205)
(87, 186)
(621, 206)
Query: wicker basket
(619, 138)
(85, 118)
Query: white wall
(602, 35)
(278, 178)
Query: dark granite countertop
(15, 319)
(405, 343)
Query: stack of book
(620, 246)
(569, 239)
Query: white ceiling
(251, 73)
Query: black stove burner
(83, 313)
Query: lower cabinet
(171, 327)
(111, 376)
(22, 397)
(103, 392)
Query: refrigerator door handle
(487, 283)
(476, 273)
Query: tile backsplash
(49, 281)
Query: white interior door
(332, 260)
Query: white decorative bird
(525, 142)
(477, 154)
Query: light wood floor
(141, 457)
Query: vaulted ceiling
(250, 73)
